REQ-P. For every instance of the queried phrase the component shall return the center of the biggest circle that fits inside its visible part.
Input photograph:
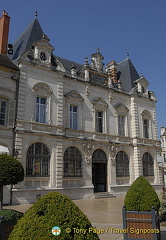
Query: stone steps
(102, 195)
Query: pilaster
(134, 118)
(58, 165)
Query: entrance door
(99, 171)
(99, 176)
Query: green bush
(10, 215)
(162, 210)
(141, 196)
(53, 209)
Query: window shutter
(11, 113)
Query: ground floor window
(148, 165)
(38, 160)
(122, 164)
(72, 162)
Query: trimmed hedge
(10, 215)
(141, 196)
(53, 209)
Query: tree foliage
(53, 209)
(11, 170)
(141, 196)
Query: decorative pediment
(44, 44)
(74, 95)
(142, 80)
(42, 87)
(99, 101)
(120, 107)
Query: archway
(99, 171)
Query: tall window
(41, 109)
(38, 161)
(72, 162)
(99, 121)
(148, 165)
(122, 164)
(121, 125)
(146, 128)
(3, 106)
(73, 117)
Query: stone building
(163, 153)
(81, 128)
(9, 74)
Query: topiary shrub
(141, 196)
(53, 209)
(11, 172)
(10, 215)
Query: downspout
(16, 78)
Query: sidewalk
(105, 214)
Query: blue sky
(77, 28)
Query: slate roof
(127, 73)
(5, 61)
(68, 64)
(30, 35)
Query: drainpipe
(16, 78)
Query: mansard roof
(127, 74)
(68, 64)
(126, 71)
(30, 35)
(6, 62)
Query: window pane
(121, 124)
(146, 128)
(99, 121)
(122, 164)
(72, 162)
(40, 110)
(73, 117)
(38, 160)
(148, 165)
(3, 105)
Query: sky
(76, 28)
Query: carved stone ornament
(88, 148)
(74, 94)
(110, 97)
(87, 91)
(112, 151)
(42, 87)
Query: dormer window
(43, 56)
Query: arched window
(99, 156)
(148, 168)
(72, 162)
(122, 164)
(38, 161)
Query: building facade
(163, 154)
(9, 75)
(81, 128)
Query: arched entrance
(99, 171)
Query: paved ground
(104, 213)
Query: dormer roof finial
(36, 14)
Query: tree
(51, 211)
(11, 172)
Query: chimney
(4, 32)
(112, 69)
